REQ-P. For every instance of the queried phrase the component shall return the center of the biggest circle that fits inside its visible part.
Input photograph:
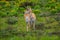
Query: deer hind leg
(34, 25)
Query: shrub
(3, 14)
(12, 20)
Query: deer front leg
(28, 26)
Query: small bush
(3, 14)
(12, 20)
(40, 26)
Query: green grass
(17, 31)
(21, 28)
(28, 36)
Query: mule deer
(29, 18)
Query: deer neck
(30, 15)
